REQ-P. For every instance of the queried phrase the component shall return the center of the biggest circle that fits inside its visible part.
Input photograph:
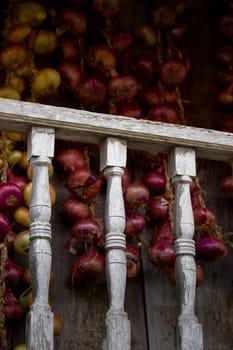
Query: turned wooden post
(39, 323)
(113, 161)
(182, 166)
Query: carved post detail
(182, 166)
(113, 161)
(39, 323)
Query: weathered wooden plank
(84, 126)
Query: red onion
(164, 16)
(163, 113)
(20, 181)
(14, 274)
(153, 159)
(74, 210)
(84, 183)
(71, 75)
(145, 64)
(88, 269)
(172, 72)
(155, 180)
(210, 248)
(202, 215)
(69, 48)
(134, 225)
(133, 257)
(163, 232)
(226, 25)
(72, 21)
(157, 207)
(161, 254)
(226, 123)
(10, 196)
(226, 185)
(225, 54)
(92, 93)
(102, 59)
(70, 159)
(150, 96)
(170, 95)
(226, 77)
(161, 251)
(5, 226)
(135, 195)
(106, 8)
(225, 96)
(131, 110)
(121, 41)
(178, 31)
(86, 232)
(123, 88)
(12, 308)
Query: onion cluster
(27, 39)
(85, 239)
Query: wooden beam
(90, 127)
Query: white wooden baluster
(182, 166)
(113, 161)
(39, 324)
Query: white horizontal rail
(90, 127)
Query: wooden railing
(183, 144)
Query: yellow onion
(20, 347)
(18, 33)
(9, 92)
(15, 136)
(24, 162)
(28, 12)
(14, 157)
(21, 243)
(45, 82)
(43, 42)
(21, 215)
(17, 83)
(13, 56)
